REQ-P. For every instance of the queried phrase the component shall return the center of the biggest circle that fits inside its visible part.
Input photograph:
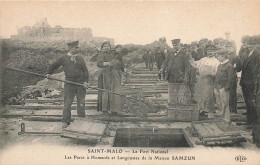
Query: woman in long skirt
(109, 79)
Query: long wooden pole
(65, 81)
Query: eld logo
(240, 158)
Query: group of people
(109, 81)
(208, 67)
(156, 56)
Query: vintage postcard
(130, 82)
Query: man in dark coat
(119, 57)
(200, 52)
(224, 80)
(249, 63)
(191, 72)
(145, 58)
(256, 129)
(236, 63)
(151, 59)
(244, 51)
(75, 70)
(194, 51)
(159, 59)
(175, 64)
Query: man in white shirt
(207, 71)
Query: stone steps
(137, 72)
(140, 82)
(144, 76)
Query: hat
(176, 41)
(222, 52)
(73, 44)
(104, 43)
(210, 47)
(118, 46)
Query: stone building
(42, 31)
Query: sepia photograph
(130, 82)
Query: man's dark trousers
(248, 93)
(161, 74)
(69, 93)
(233, 99)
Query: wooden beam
(44, 118)
(50, 107)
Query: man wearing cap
(225, 79)
(207, 71)
(175, 64)
(159, 59)
(75, 70)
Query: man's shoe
(64, 125)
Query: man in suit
(236, 63)
(244, 51)
(255, 56)
(175, 64)
(247, 82)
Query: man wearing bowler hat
(75, 70)
(175, 66)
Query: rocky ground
(37, 56)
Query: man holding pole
(76, 71)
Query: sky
(139, 22)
